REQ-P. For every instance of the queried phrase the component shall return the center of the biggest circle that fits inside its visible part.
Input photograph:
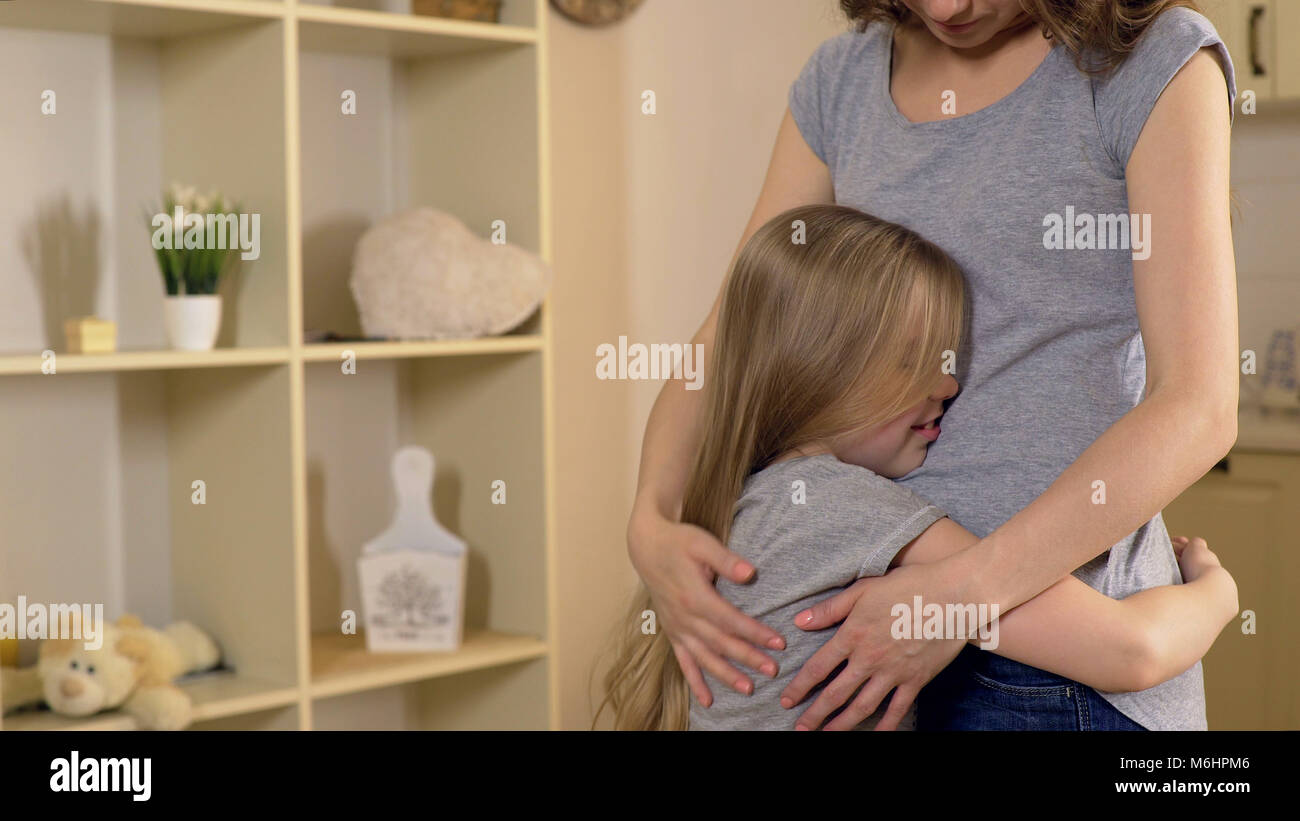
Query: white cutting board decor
(413, 574)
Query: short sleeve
(812, 95)
(894, 516)
(814, 523)
(1125, 98)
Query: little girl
(835, 347)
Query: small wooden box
(88, 334)
(8, 652)
(483, 11)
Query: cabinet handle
(1256, 67)
(1221, 465)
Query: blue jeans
(984, 691)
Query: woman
(1100, 376)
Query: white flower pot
(192, 321)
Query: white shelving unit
(244, 95)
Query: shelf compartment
(137, 110)
(361, 31)
(216, 695)
(333, 351)
(144, 360)
(507, 696)
(340, 664)
(101, 490)
(137, 18)
(421, 136)
(480, 417)
(278, 719)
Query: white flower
(183, 195)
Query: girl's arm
(1187, 311)
(1114, 645)
(678, 562)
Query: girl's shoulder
(851, 519)
(831, 482)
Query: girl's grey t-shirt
(1055, 355)
(811, 527)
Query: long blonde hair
(833, 321)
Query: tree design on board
(409, 600)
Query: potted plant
(193, 237)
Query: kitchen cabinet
(1287, 39)
(1261, 36)
(1248, 509)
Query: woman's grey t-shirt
(811, 527)
(1055, 356)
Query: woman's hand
(679, 562)
(872, 654)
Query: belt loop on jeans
(1080, 706)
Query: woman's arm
(678, 562)
(1186, 299)
(1112, 645)
(1187, 311)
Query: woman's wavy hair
(1099, 34)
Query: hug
(836, 464)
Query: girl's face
(898, 447)
(967, 23)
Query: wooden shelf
(265, 561)
(30, 364)
(323, 28)
(216, 695)
(333, 351)
(144, 360)
(341, 664)
(357, 31)
(157, 19)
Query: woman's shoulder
(850, 45)
(833, 79)
(1178, 19)
(1125, 96)
(1174, 32)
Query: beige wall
(648, 211)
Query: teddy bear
(132, 669)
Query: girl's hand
(679, 562)
(872, 654)
(1194, 556)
